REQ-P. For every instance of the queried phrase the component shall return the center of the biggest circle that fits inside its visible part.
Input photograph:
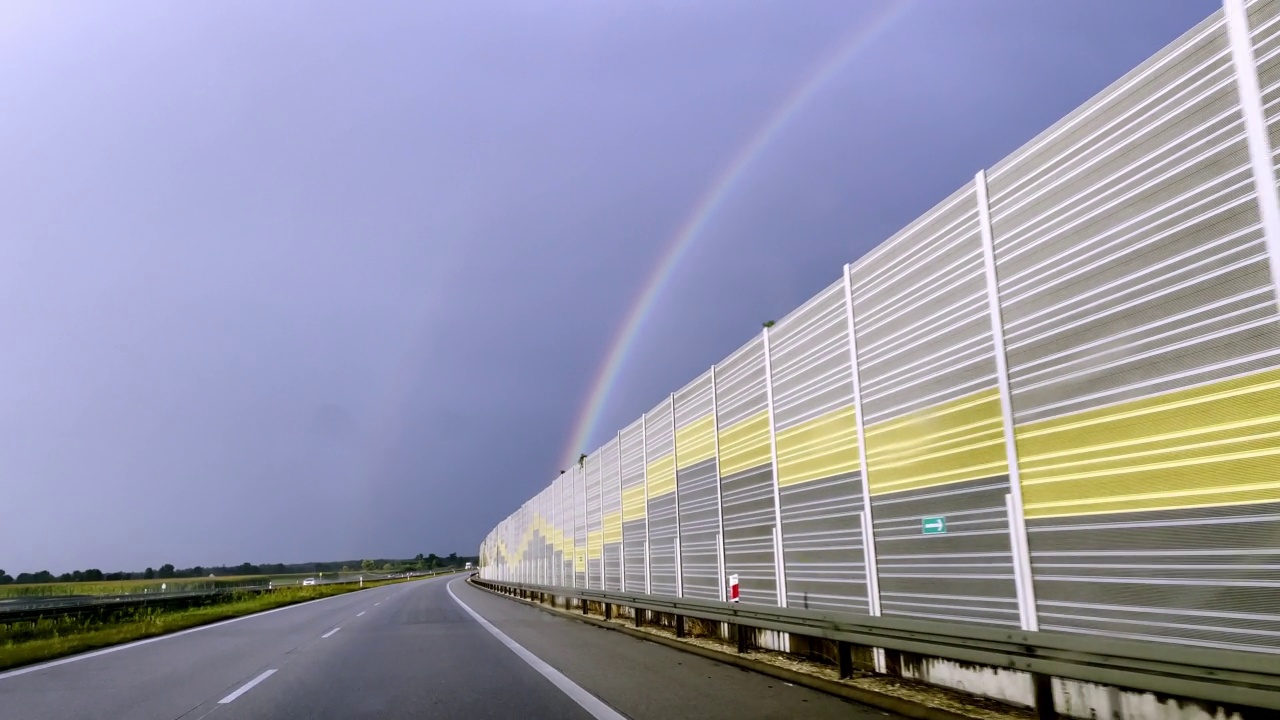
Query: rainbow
(706, 207)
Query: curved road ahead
(403, 651)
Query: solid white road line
(246, 687)
(330, 633)
(361, 613)
(589, 702)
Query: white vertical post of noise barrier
(586, 528)
(564, 521)
(644, 459)
(871, 563)
(566, 500)
(573, 499)
(604, 571)
(679, 569)
(570, 512)
(1017, 525)
(578, 521)
(1256, 135)
(779, 562)
(557, 573)
(715, 434)
(622, 521)
(558, 570)
(720, 563)
(675, 495)
(550, 522)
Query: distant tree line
(166, 571)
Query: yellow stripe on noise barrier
(633, 502)
(961, 439)
(595, 543)
(1217, 444)
(662, 476)
(745, 445)
(613, 527)
(823, 447)
(696, 441)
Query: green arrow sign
(933, 525)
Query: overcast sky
(289, 281)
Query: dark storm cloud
(287, 281)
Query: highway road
(434, 648)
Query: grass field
(30, 642)
(122, 587)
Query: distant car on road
(309, 581)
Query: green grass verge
(33, 642)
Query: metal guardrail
(54, 602)
(1237, 678)
(28, 609)
(62, 607)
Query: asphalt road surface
(403, 651)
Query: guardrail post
(638, 614)
(583, 603)
(892, 662)
(608, 611)
(743, 646)
(845, 651)
(679, 626)
(1045, 709)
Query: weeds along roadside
(24, 643)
